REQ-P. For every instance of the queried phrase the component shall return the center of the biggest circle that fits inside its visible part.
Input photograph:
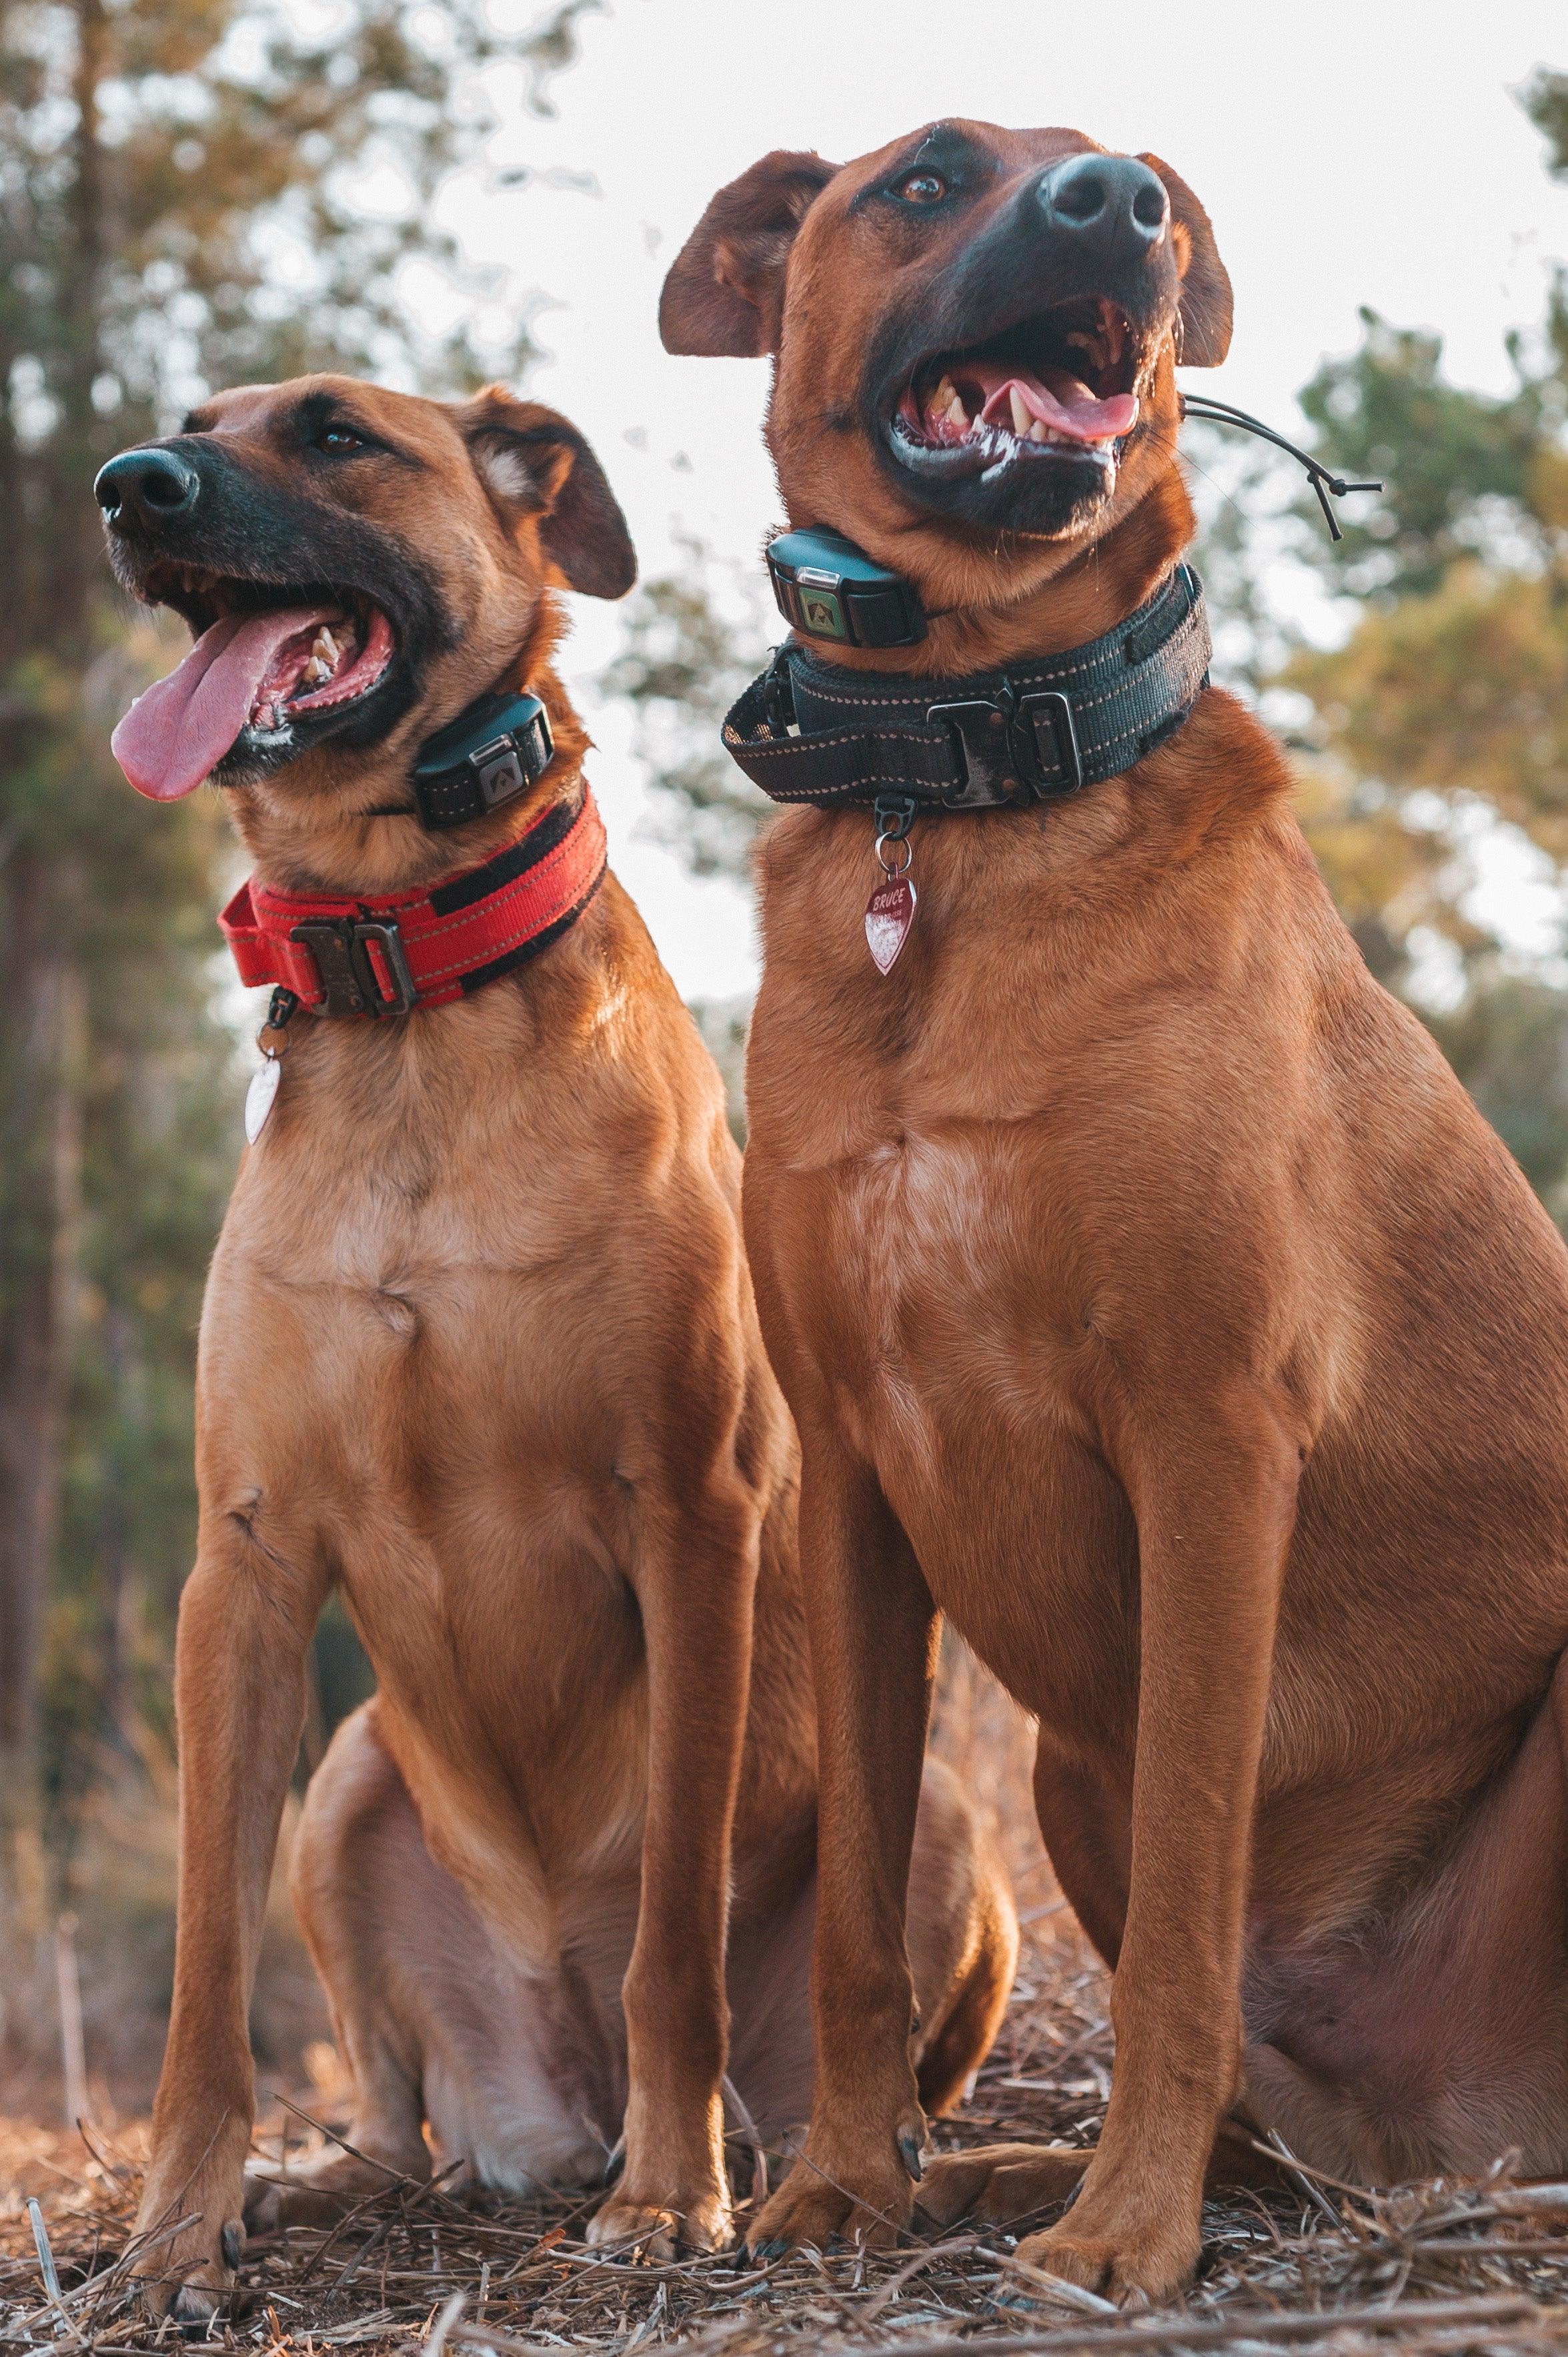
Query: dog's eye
(339, 440)
(922, 189)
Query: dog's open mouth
(1063, 383)
(267, 662)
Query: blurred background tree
(180, 208)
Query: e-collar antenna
(1324, 482)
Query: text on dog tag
(890, 913)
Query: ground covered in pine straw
(425, 2268)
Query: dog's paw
(314, 2193)
(998, 2183)
(1142, 2261)
(188, 2278)
(657, 2229)
(857, 2200)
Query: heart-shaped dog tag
(890, 913)
(260, 1095)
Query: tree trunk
(40, 1151)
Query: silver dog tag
(890, 913)
(261, 1094)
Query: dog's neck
(314, 842)
(1095, 590)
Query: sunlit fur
(480, 1350)
(1152, 1300)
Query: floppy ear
(534, 462)
(1203, 326)
(725, 294)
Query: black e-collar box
(828, 588)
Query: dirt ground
(427, 2269)
(1425, 2269)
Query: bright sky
(1347, 154)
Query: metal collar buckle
(998, 740)
(351, 977)
(1055, 709)
(778, 693)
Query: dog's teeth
(1040, 431)
(957, 415)
(944, 396)
(323, 653)
(1022, 418)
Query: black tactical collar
(808, 731)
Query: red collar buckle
(393, 954)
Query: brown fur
(1152, 1300)
(479, 1349)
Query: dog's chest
(431, 1333)
(943, 1309)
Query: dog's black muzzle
(187, 502)
(1110, 212)
(145, 491)
(1091, 226)
(1090, 229)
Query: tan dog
(1148, 1294)
(479, 1348)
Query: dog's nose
(1110, 201)
(151, 485)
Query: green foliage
(1448, 699)
(1545, 100)
(1463, 690)
(1459, 468)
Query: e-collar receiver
(828, 588)
(497, 747)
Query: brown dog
(479, 1348)
(1149, 1297)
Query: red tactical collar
(383, 955)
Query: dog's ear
(534, 462)
(725, 296)
(1203, 327)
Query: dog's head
(355, 567)
(974, 333)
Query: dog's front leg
(1214, 1488)
(872, 1637)
(695, 1579)
(245, 1621)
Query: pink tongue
(177, 733)
(1067, 407)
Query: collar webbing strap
(809, 731)
(389, 954)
